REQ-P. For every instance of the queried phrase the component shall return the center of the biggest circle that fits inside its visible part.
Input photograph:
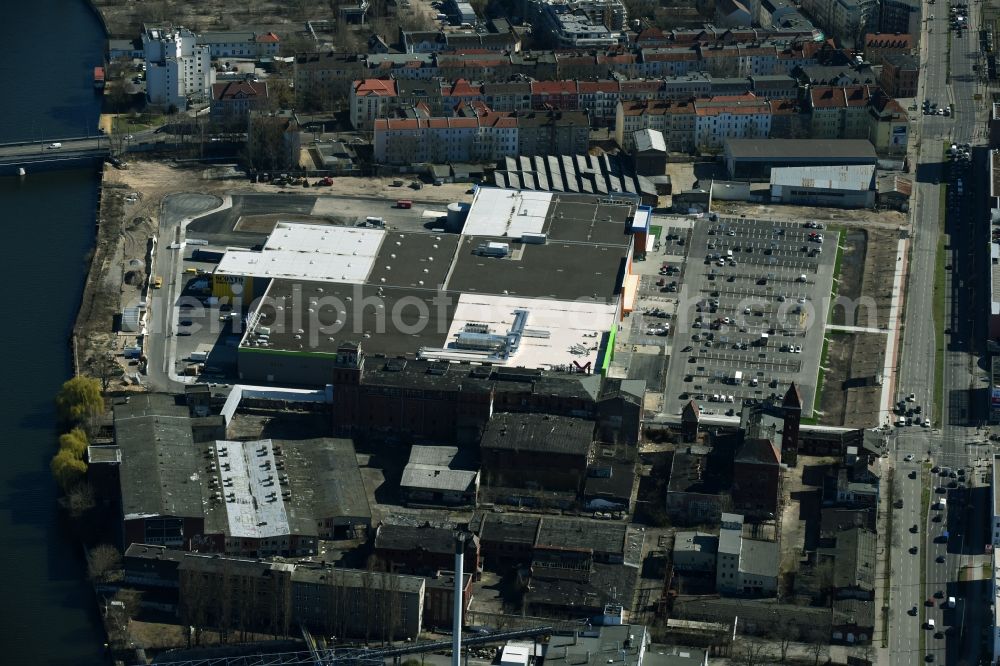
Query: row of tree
(78, 405)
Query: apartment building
(371, 99)
(839, 112)
(730, 117)
(234, 100)
(675, 120)
(901, 16)
(240, 44)
(899, 75)
(846, 20)
(881, 44)
(178, 69)
(485, 138)
(552, 132)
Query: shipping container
(404, 203)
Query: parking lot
(201, 323)
(748, 315)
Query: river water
(47, 613)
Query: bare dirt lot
(850, 397)
(129, 214)
(840, 217)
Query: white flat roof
(497, 212)
(253, 477)
(575, 329)
(295, 237)
(309, 252)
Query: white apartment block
(177, 68)
(714, 125)
(371, 99)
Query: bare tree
(751, 653)
(784, 635)
(819, 645)
(102, 561)
(79, 499)
(130, 601)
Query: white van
(951, 602)
(930, 623)
(53, 146)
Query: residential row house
(858, 112)
(481, 137)
(321, 78)
(238, 44)
(828, 112)
(703, 124)
(878, 45)
(378, 98)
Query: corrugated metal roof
(842, 177)
(649, 139)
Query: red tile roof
(268, 37)
(828, 97)
(492, 119)
(553, 87)
(239, 90)
(586, 87)
(375, 88)
(888, 40)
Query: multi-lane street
(951, 537)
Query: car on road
(913, 611)
(914, 550)
(939, 559)
(913, 474)
(914, 528)
(909, 457)
(185, 322)
(898, 504)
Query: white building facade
(177, 68)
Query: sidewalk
(880, 636)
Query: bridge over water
(34, 156)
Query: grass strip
(887, 578)
(938, 305)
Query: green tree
(67, 469)
(75, 441)
(79, 400)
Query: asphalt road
(945, 80)
(904, 568)
(34, 150)
(163, 307)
